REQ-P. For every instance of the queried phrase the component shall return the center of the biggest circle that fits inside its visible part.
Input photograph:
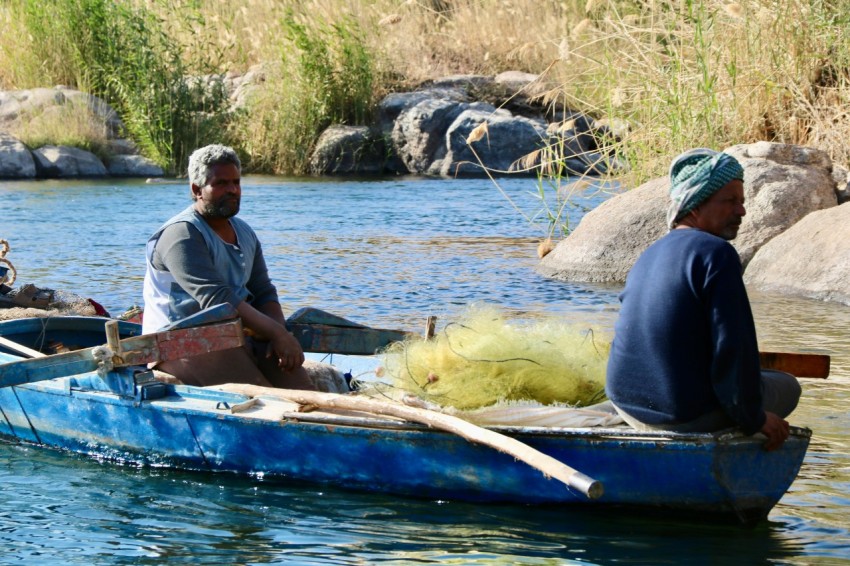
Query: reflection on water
(98, 513)
(387, 254)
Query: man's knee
(781, 392)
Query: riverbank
(743, 72)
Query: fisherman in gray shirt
(205, 256)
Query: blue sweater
(685, 341)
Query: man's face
(722, 212)
(220, 197)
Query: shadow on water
(98, 513)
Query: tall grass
(689, 73)
(72, 124)
(122, 55)
(681, 73)
(323, 75)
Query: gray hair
(204, 159)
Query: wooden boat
(125, 414)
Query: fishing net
(61, 303)
(483, 359)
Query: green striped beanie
(696, 175)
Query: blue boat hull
(193, 428)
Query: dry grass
(682, 73)
(71, 124)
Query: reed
(122, 55)
(681, 73)
(323, 75)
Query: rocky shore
(793, 240)
(458, 126)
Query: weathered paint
(194, 428)
(135, 350)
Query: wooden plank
(136, 350)
(181, 343)
(310, 315)
(362, 341)
(20, 348)
(797, 364)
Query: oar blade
(797, 364)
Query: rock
(122, 146)
(348, 150)
(133, 166)
(63, 162)
(15, 103)
(462, 82)
(391, 107)
(243, 87)
(609, 238)
(325, 377)
(782, 183)
(33, 103)
(524, 84)
(506, 141)
(98, 108)
(580, 145)
(841, 176)
(418, 136)
(16, 161)
(810, 259)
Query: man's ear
(196, 191)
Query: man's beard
(224, 208)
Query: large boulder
(39, 104)
(810, 259)
(782, 183)
(418, 136)
(15, 104)
(609, 238)
(392, 106)
(344, 150)
(500, 143)
(64, 162)
(123, 165)
(16, 161)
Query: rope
(103, 355)
(6, 279)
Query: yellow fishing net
(483, 359)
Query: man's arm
(735, 368)
(268, 321)
(284, 345)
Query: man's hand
(287, 349)
(776, 429)
(268, 322)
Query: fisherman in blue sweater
(685, 356)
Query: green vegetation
(122, 55)
(326, 77)
(680, 73)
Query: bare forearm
(273, 310)
(268, 322)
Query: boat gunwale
(179, 393)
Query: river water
(385, 253)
